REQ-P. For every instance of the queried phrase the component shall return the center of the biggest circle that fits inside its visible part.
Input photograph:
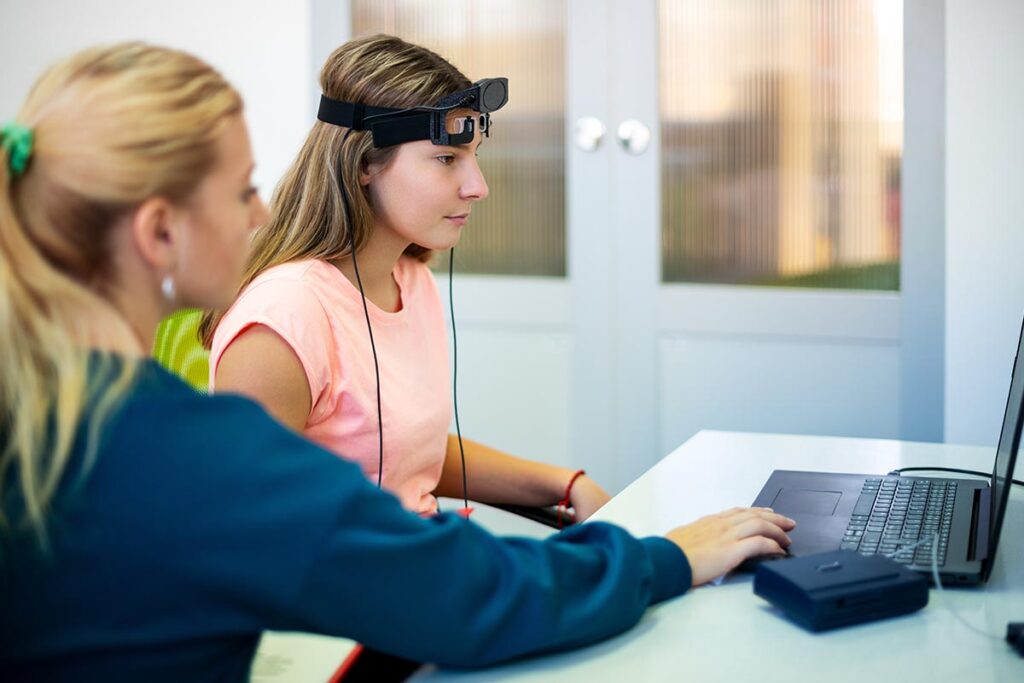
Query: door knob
(588, 133)
(634, 136)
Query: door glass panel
(520, 228)
(781, 134)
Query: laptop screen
(1006, 452)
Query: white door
(680, 357)
(610, 367)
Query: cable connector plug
(1015, 636)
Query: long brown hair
(308, 219)
(111, 127)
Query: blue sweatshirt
(203, 522)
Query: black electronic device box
(840, 588)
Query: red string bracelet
(563, 505)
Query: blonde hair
(308, 218)
(112, 126)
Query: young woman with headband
(350, 349)
(148, 532)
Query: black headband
(396, 126)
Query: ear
(369, 169)
(365, 175)
(155, 235)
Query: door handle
(634, 136)
(588, 133)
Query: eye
(249, 193)
(446, 159)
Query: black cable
(376, 372)
(956, 470)
(366, 312)
(455, 373)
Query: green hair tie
(17, 142)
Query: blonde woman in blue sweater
(151, 533)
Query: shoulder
(298, 282)
(181, 470)
(163, 420)
(159, 401)
(290, 299)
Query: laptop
(892, 515)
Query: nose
(474, 187)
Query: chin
(440, 245)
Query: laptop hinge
(977, 547)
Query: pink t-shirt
(319, 314)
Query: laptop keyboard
(892, 515)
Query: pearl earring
(167, 287)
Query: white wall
(984, 211)
(262, 47)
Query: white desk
(726, 633)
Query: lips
(459, 219)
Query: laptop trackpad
(806, 502)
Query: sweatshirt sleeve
(289, 537)
(444, 590)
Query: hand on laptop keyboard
(718, 543)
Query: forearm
(359, 566)
(497, 477)
(474, 600)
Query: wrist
(571, 480)
(566, 500)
